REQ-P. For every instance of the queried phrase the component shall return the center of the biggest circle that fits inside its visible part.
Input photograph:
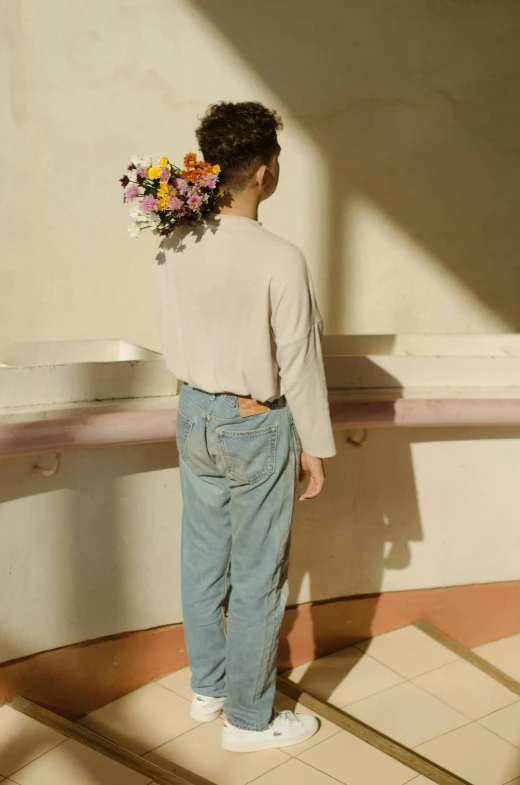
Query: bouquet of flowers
(168, 196)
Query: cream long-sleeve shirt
(237, 312)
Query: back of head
(240, 137)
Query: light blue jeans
(238, 481)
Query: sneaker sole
(268, 745)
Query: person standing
(241, 328)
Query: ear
(260, 174)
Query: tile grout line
(496, 711)
(380, 741)
(373, 659)
(318, 744)
(489, 730)
(468, 655)
(312, 766)
(269, 771)
(406, 678)
(471, 720)
(7, 776)
(367, 697)
(363, 654)
(411, 680)
(172, 692)
(114, 700)
(417, 686)
(174, 738)
(98, 743)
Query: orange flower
(190, 160)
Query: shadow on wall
(361, 525)
(414, 106)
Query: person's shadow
(346, 542)
(409, 109)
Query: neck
(245, 205)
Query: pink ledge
(141, 427)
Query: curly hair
(239, 137)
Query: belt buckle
(249, 406)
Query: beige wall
(94, 550)
(399, 178)
(399, 170)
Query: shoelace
(286, 716)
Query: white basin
(54, 372)
(415, 362)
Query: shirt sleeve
(298, 333)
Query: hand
(308, 463)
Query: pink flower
(209, 180)
(194, 201)
(181, 185)
(149, 203)
(175, 203)
(166, 174)
(141, 171)
(131, 193)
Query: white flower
(133, 231)
(138, 160)
(137, 214)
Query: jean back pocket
(249, 456)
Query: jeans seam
(189, 423)
(224, 596)
(272, 636)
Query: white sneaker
(206, 709)
(284, 729)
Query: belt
(230, 393)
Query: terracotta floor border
(100, 744)
(63, 680)
(366, 733)
(468, 655)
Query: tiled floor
(402, 683)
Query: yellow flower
(164, 161)
(162, 203)
(215, 169)
(163, 188)
(154, 172)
